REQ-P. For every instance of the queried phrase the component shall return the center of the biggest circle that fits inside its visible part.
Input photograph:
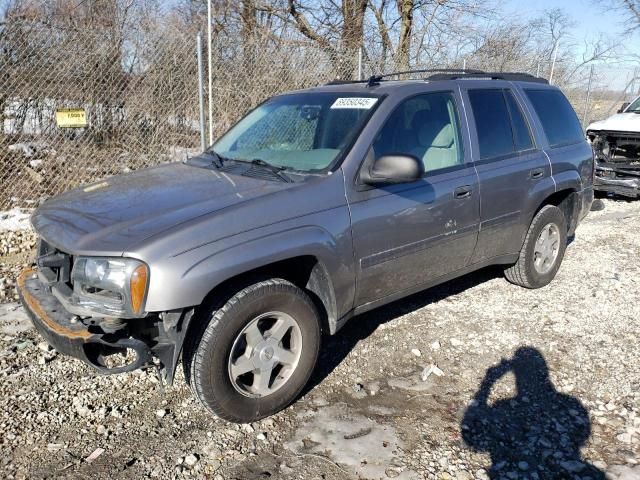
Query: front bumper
(70, 336)
(626, 187)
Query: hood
(109, 216)
(620, 122)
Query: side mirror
(390, 169)
(623, 107)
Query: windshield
(305, 131)
(635, 106)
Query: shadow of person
(535, 435)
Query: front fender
(185, 280)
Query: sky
(590, 18)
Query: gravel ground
(476, 378)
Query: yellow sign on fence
(71, 118)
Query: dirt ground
(476, 378)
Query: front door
(409, 235)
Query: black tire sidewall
(212, 382)
(548, 214)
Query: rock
(435, 345)
(623, 472)
(624, 437)
(463, 475)
(416, 352)
(599, 464)
(373, 388)
(482, 474)
(190, 460)
(262, 437)
(456, 343)
(94, 455)
(161, 413)
(429, 370)
(392, 472)
(572, 466)
(523, 466)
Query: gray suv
(317, 206)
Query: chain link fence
(135, 101)
(76, 106)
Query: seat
(440, 151)
(435, 137)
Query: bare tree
(337, 29)
(630, 11)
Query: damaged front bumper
(94, 340)
(617, 162)
(618, 178)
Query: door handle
(537, 173)
(462, 192)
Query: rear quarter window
(559, 120)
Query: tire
(215, 354)
(529, 271)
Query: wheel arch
(307, 272)
(567, 200)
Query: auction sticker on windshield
(354, 102)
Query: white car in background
(616, 147)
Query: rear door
(570, 155)
(511, 168)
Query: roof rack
(480, 75)
(457, 73)
(376, 79)
(344, 82)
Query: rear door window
(559, 121)
(521, 132)
(493, 123)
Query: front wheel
(256, 353)
(542, 251)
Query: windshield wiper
(217, 159)
(278, 170)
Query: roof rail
(509, 76)
(344, 82)
(457, 73)
(376, 79)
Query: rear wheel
(256, 352)
(542, 251)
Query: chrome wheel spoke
(241, 366)
(284, 356)
(280, 328)
(253, 336)
(261, 381)
(544, 235)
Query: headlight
(110, 286)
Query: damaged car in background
(616, 147)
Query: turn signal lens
(138, 288)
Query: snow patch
(14, 219)
(369, 449)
